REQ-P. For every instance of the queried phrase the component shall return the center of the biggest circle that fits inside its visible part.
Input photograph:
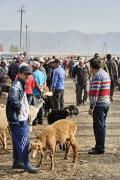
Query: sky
(88, 16)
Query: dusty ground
(104, 167)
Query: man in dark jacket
(13, 69)
(113, 72)
(17, 112)
(80, 76)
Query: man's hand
(90, 112)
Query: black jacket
(81, 74)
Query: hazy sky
(91, 16)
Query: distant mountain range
(70, 42)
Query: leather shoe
(95, 152)
(18, 166)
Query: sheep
(33, 112)
(3, 126)
(62, 131)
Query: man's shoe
(95, 152)
(18, 166)
(30, 169)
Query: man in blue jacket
(58, 85)
(17, 112)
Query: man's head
(3, 62)
(41, 61)
(35, 65)
(96, 55)
(109, 56)
(56, 63)
(24, 73)
(81, 62)
(95, 64)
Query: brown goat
(62, 131)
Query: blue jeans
(99, 126)
(20, 142)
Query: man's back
(58, 78)
(40, 79)
(112, 67)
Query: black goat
(47, 105)
(73, 110)
(55, 115)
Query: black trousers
(112, 86)
(81, 93)
(99, 126)
(58, 99)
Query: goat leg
(74, 147)
(52, 160)
(40, 162)
(74, 152)
(67, 149)
(4, 141)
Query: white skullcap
(50, 61)
(41, 60)
(36, 64)
(23, 64)
(4, 61)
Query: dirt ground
(105, 167)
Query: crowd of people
(31, 78)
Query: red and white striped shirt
(100, 89)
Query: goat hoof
(38, 166)
(52, 168)
(66, 158)
(73, 161)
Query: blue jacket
(17, 108)
(58, 78)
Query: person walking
(3, 73)
(99, 103)
(113, 72)
(80, 76)
(58, 85)
(17, 112)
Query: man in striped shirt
(99, 103)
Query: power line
(104, 49)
